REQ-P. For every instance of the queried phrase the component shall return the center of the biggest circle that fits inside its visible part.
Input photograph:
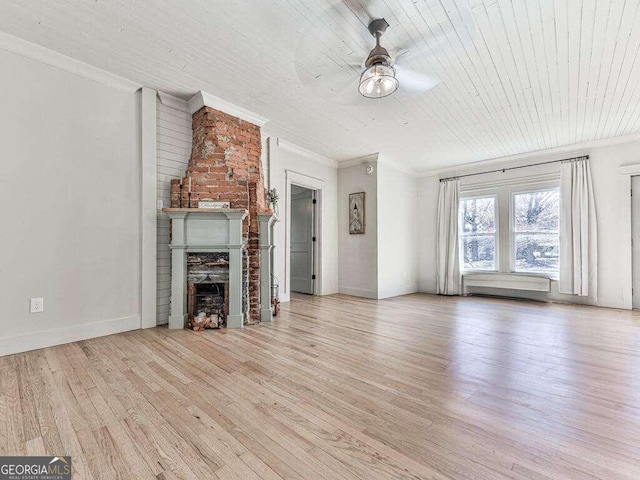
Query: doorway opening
(302, 254)
(635, 240)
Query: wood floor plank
(338, 387)
(4, 405)
(62, 418)
(15, 437)
(46, 417)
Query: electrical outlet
(37, 305)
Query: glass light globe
(378, 81)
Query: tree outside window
(477, 233)
(535, 231)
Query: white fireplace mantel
(205, 230)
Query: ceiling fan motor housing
(378, 26)
(378, 54)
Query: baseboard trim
(72, 333)
(358, 292)
(396, 292)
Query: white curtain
(447, 267)
(578, 231)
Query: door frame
(626, 257)
(312, 183)
(635, 244)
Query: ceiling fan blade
(367, 10)
(413, 82)
(451, 27)
(421, 49)
(338, 85)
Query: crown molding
(54, 59)
(174, 102)
(352, 162)
(292, 147)
(204, 99)
(377, 157)
(575, 149)
(397, 166)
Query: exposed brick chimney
(225, 166)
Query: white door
(302, 221)
(635, 236)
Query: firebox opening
(207, 289)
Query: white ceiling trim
(630, 169)
(57, 60)
(377, 157)
(398, 166)
(359, 160)
(292, 147)
(575, 149)
(204, 99)
(174, 102)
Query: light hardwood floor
(337, 387)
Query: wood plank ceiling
(516, 75)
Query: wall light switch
(37, 305)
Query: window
(477, 232)
(535, 231)
(510, 229)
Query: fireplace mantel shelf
(205, 210)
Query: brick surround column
(225, 166)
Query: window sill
(515, 281)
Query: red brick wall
(225, 166)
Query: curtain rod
(585, 157)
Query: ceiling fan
(322, 65)
(380, 77)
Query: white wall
(397, 232)
(283, 157)
(173, 150)
(70, 187)
(358, 253)
(605, 168)
(382, 262)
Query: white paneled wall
(174, 150)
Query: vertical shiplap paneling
(622, 59)
(624, 87)
(174, 150)
(516, 75)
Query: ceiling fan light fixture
(378, 81)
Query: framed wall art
(356, 213)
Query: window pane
(537, 212)
(477, 215)
(478, 253)
(537, 253)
